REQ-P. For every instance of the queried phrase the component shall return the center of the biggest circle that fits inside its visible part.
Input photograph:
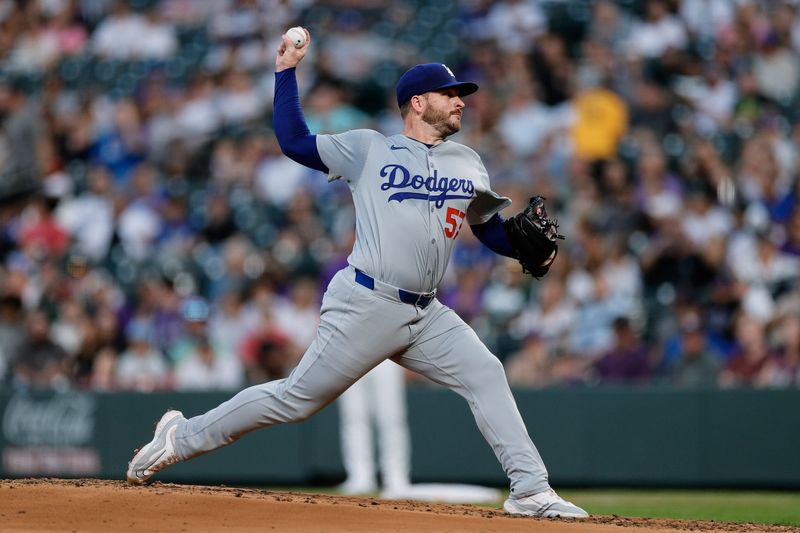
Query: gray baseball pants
(358, 329)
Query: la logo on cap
(428, 77)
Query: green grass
(730, 506)
(760, 507)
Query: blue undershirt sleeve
(492, 234)
(293, 135)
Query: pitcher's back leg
(340, 354)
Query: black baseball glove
(533, 236)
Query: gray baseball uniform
(411, 200)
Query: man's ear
(418, 103)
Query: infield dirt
(101, 505)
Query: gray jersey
(410, 200)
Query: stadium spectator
(197, 118)
(231, 321)
(515, 24)
(776, 69)
(298, 314)
(41, 235)
(89, 217)
(218, 225)
(525, 122)
(610, 26)
(530, 365)
(236, 252)
(658, 33)
(328, 111)
(39, 362)
(751, 356)
(697, 365)
(119, 34)
(195, 313)
(12, 334)
(627, 360)
(103, 372)
(156, 40)
(705, 19)
(601, 120)
(349, 50)
(551, 315)
(714, 98)
(277, 178)
(94, 363)
(36, 48)
(599, 306)
(205, 369)
(267, 352)
(791, 244)
(552, 69)
(142, 367)
(704, 223)
(239, 101)
(783, 368)
(767, 274)
(157, 303)
(68, 329)
(66, 29)
(177, 234)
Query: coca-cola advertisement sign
(49, 435)
(61, 420)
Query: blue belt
(420, 300)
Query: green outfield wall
(588, 437)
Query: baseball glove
(533, 236)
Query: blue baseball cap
(195, 309)
(139, 331)
(429, 77)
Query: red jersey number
(452, 224)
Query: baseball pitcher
(412, 194)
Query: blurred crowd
(153, 237)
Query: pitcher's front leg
(449, 352)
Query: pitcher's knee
(491, 373)
(305, 411)
(294, 409)
(300, 408)
(494, 368)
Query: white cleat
(157, 454)
(547, 504)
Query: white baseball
(297, 35)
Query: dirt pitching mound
(97, 505)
